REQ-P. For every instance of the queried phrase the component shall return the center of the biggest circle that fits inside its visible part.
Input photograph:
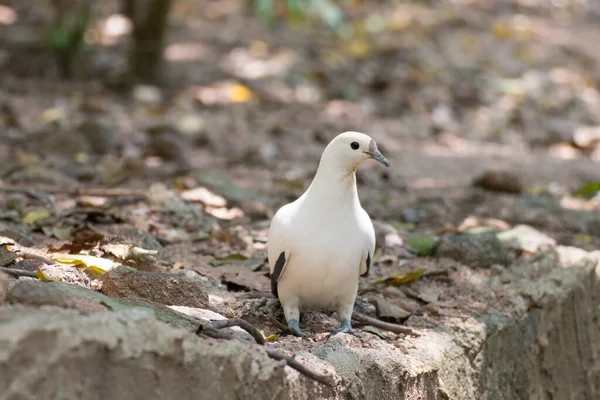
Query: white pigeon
(319, 244)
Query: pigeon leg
(344, 313)
(292, 314)
(345, 327)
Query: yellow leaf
(52, 115)
(583, 238)
(94, 272)
(402, 279)
(93, 266)
(24, 157)
(270, 338)
(501, 30)
(81, 157)
(34, 216)
(359, 48)
(240, 94)
(45, 278)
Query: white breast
(323, 268)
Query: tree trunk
(149, 18)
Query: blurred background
(244, 95)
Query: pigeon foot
(293, 326)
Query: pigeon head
(350, 149)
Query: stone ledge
(541, 342)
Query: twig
(227, 323)
(18, 272)
(33, 256)
(213, 333)
(77, 191)
(281, 326)
(213, 329)
(254, 295)
(298, 366)
(395, 328)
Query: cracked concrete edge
(548, 348)
(126, 355)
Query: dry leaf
(45, 278)
(402, 279)
(270, 338)
(95, 267)
(240, 94)
(36, 215)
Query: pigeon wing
(278, 249)
(366, 227)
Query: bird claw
(293, 326)
(345, 327)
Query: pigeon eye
(354, 145)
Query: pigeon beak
(375, 154)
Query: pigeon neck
(334, 183)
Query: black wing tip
(368, 265)
(276, 273)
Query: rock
(389, 311)
(586, 137)
(386, 235)
(147, 95)
(527, 239)
(36, 293)
(126, 355)
(146, 263)
(240, 238)
(499, 181)
(413, 215)
(7, 255)
(477, 250)
(66, 296)
(163, 288)
(66, 273)
(100, 134)
(192, 125)
(255, 210)
(5, 282)
(593, 226)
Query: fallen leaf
(228, 260)
(588, 190)
(429, 296)
(117, 249)
(240, 94)
(52, 115)
(204, 196)
(93, 201)
(388, 310)
(375, 331)
(45, 278)
(402, 279)
(422, 244)
(84, 241)
(270, 338)
(36, 215)
(583, 238)
(95, 267)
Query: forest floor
(489, 115)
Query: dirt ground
(196, 168)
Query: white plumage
(319, 244)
